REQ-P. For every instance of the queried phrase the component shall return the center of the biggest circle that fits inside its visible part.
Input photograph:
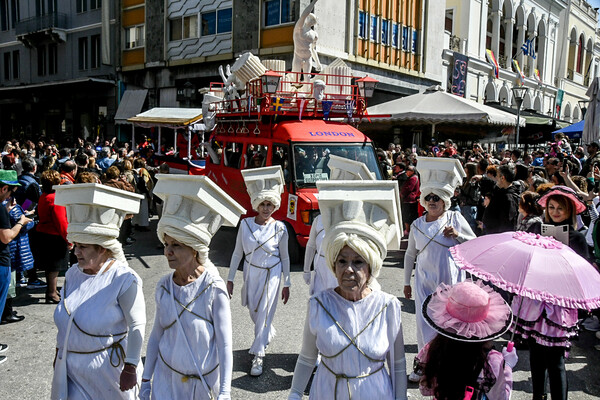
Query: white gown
(168, 351)
(375, 323)
(94, 376)
(322, 277)
(434, 264)
(264, 248)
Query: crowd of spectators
(41, 245)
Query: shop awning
(131, 104)
(167, 117)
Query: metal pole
(518, 124)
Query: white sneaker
(414, 377)
(257, 366)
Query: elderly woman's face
(90, 256)
(178, 254)
(352, 273)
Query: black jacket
(502, 212)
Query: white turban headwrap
(444, 195)
(266, 195)
(109, 243)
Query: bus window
(256, 156)
(233, 153)
(280, 157)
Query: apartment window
(405, 37)
(362, 24)
(415, 41)
(95, 4)
(279, 12)
(385, 32)
(83, 53)
(4, 14)
(16, 64)
(52, 8)
(7, 66)
(175, 28)
(395, 32)
(134, 37)
(95, 51)
(373, 31)
(52, 59)
(41, 61)
(449, 20)
(81, 5)
(216, 22)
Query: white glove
(307, 276)
(145, 390)
(511, 358)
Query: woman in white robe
(429, 241)
(355, 330)
(107, 332)
(321, 277)
(202, 342)
(263, 244)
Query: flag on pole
(518, 71)
(277, 103)
(528, 48)
(492, 60)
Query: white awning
(169, 117)
(131, 104)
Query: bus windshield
(311, 159)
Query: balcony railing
(41, 23)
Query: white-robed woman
(429, 241)
(102, 315)
(355, 329)
(189, 353)
(262, 242)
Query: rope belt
(186, 377)
(266, 285)
(339, 377)
(116, 350)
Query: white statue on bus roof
(305, 43)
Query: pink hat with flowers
(467, 311)
(559, 190)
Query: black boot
(8, 315)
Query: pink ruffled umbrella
(533, 266)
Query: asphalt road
(27, 373)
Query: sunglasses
(432, 197)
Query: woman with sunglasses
(429, 241)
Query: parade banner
(492, 60)
(459, 75)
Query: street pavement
(27, 374)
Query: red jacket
(53, 218)
(410, 190)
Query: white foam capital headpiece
(342, 169)
(369, 209)
(194, 209)
(440, 173)
(264, 184)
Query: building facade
(554, 43)
(58, 63)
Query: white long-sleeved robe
(265, 252)
(322, 277)
(434, 264)
(207, 325)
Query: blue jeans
(470, 214)
(4, 284)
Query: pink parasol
(533, 266)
